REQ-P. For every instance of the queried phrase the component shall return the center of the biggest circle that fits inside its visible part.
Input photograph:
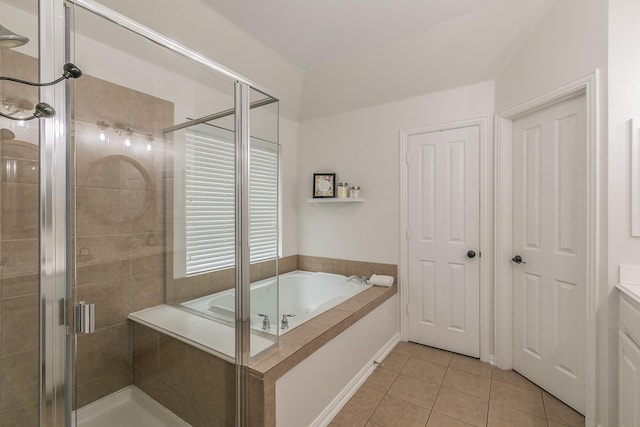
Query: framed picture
(324, 185)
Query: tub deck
(277, 360)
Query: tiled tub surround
(164, 366)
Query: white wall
(458, 52)
(570, 42)
(362, 147)
(198, 26)
(624, 104)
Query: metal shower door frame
(56, 388)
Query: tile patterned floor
(423, 386)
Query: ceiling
(313, 33)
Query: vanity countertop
(632, 291)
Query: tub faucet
(285, 322)
(362, 279)
(266, 324)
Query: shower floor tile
(128, 407)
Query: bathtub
(302, 293)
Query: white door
(443, 183)
(549, 235)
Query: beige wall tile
(20, 257)
(18, 380)
(190, 287)
(146, 347)
(20, 211)
(143, 265)
(147, 291)
(24, 417)
(103, 272)
(19, 285)
(102, 385)
(102, 211)
(106, 350)
(112, 300)
(20, 326)
(102, 249)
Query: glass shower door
(155, 226)
(19, 221)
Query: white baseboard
(343, 397)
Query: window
(210, 201)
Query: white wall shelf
(337, 200)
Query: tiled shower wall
(119, 224)
(19, 252)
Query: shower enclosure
(155, 182)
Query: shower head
(71, 71)
(44, 110)
(6, 134)
(9, 39)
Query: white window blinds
(210, 201)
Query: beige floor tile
(504, 416)
(561, 413)
(467, 383)
(554, 424)
(424, 370)
(433, 355)
(471, 365)
(347, 419)
(519, 398)
(414, 390)
(370, 424)
(512, 377)
(363, 402)
(462, 407)
(440, 420)
(395, 360)
(405, 347)
(381, 379)
(394, 412)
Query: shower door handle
(84, 318)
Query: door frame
(485, 225)
(589, 87)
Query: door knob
(471, 254)
(518, 259)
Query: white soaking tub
(302, 293)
